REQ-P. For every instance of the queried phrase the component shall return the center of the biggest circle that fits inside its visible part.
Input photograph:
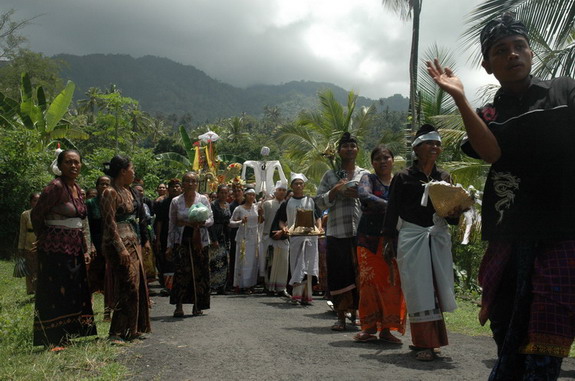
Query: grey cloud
(238, 41)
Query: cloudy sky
(356, 44)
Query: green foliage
(550, 25)
(24, 170)
(43, 72)
(87, 358)
(312, 140)
(148, 169)
(37, 114)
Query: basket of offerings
(448, 197)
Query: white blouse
(179, 211)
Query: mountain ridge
(163, 86)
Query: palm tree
(407, 9)
(438, 108)
(312, 140)
(91, 103)
(235, 130)
(551, 26)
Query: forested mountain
(166, 87)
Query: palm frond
(402, 8)
(174, 157)
(552, 21)
(434, 101)
(468, 172)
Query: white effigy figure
(264, 173)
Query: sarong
(63, 307)
(341, 254)
(218, 267)
(381, 303)
(529, 297)
(192, 275)
(131, 316)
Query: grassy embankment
(86, 359)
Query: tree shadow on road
(171, 319)
(408, 360)
(327, 315)
(282, 305)
(321, 330)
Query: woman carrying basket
(424, 246)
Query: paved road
(258, 337)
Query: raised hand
(445, 79)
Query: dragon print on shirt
(505, 185)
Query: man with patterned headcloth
(528, 212)
(337, 192)
(277, 262)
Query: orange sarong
(381, 302)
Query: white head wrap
(295, 176)
(280, 185)
(54, 166)
(251, 190)
(433, 135)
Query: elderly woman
(121, 207)
(188, 242)
(245, 218)
(424, 246)
(63, 306)
(381, 303)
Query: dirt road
(265, 338)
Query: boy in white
(276, 279)
(303, 248)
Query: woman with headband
(424, 254)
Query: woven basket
(446, 198)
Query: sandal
(426, 355)
(338, 326)
(363, 337)
(115, 340)
(389, 338)
(417, 349)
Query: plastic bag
(198, 213)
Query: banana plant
(178, 158)
(37, 114)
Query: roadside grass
(88, 358)
(464, 319)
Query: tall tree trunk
(413, 61)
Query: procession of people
(387, 246)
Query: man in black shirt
(161, 229)
(528, 212)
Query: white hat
(280, 185)
(295, 176)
